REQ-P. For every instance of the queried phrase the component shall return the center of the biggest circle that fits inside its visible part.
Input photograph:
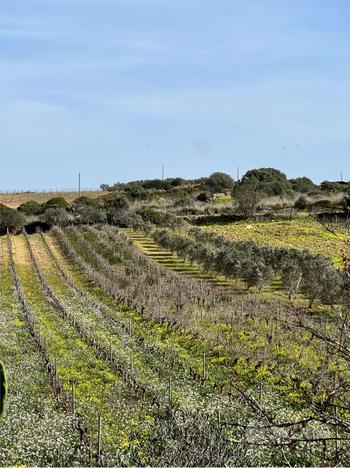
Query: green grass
(300, 233)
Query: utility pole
(237, 173)
(341, 176)
(79, 184)
(162, 171)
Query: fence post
(99, 446)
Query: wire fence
(49, 190)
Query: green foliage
(115, 201)
(85, 201)
(301, 203)
(220, 181)
(56, 216)
(56, 202)
(248, 195)
(31, 208)
(204, 197)
(3, 388)
(159, 218)
(327, 186)
(268, 180)
(137, 192)
(256, 265)
(11, 219)
(303, 185)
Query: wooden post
(73, 397)
(99, 446)
(204, 366)
(170, 391)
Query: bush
(204, 197)
(31, 208)
(303, 185)
(85, 201)
(159, 218)
(89, 214)
(115, 201)
(301, 203)
(56, 216)
(221, 181)
(184, 202)
(177, 182)
(327, 186)
(137, 192)
(56, 202)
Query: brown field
(13, 200)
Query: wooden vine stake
(73, 397)
(204, 366)
(336, 455)
(170, 391)
(99, 444)
(260, 390)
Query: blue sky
(113, 88)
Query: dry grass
(13, 200)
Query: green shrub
(56, 216)
(301, 203)
(56, 202)
(31, 208)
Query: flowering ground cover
(301, 233)
(119, 352)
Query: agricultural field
(303, 233)
(14, 200)
(119, 353)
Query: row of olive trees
(256, 265)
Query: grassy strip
(98, 391)
(32, 414)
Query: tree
(314, 276)
(256, 274)
(220, 181)
(291, 277)
(331, 286)
(11, 219)
(268, 180)
(248, 197)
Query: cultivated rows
(140, 365)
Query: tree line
(312, 275)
